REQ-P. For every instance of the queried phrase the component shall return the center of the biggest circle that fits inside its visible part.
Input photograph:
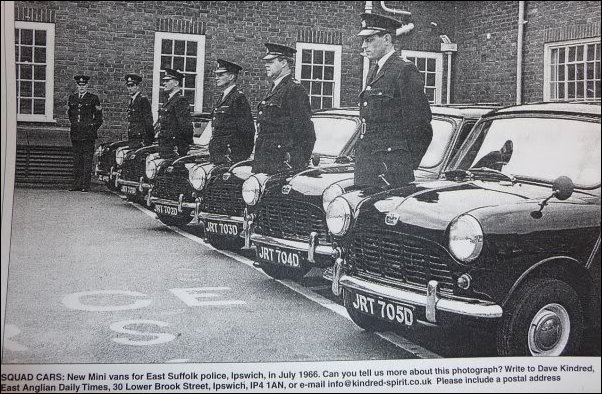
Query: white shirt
(382, 60)
(133, 97)
(279, 79)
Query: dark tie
(372, 75)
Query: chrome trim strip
(296, 245)
(172, 203)
(469, 307)
(221, 218)
(120, 181)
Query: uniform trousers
(83, 151)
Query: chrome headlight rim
(465, 238)
(333, 191)
(251, 190)
(151, 169)
(197, 177)
(338, 216)
(120, 156)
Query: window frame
(49, 28)
(338, 50)
(438, 69)
(200, 68)
(547, 73)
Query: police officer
(395, 112)
(285, 131)
(233, 126)
(140, 117)
(85, 115)
(175, 131)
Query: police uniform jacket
(85, 115)
(140, 120)
(397, 129)
(175, 124)
(284, 125)
(233, 128)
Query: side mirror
(563, 187)
(287, 160)
(384, 170)
(315, 160)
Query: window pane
(318, 57)
(590, 92)
(561, 55)
(580, 91)
(305, 85)
(26, 37)
(165, 62)
(571, 72)
(305, 72)
(317, 72)
(326, 102)
(26, 54)
(316, 88)
(328, 88)
(189, 81)
(421, 64)
(39, 89)
(591, 52)
(316, 103)
(26, 90)
(571, 90)
(328, 57)
(191, 48)
(430, 79)
(40, 55)
(191, 64)
(329, 73)
(430, 94)
(431, 65)
(572, 52)
(178, 63)
(167, 47)
(580, 74)
(25, 71)
(306, 56)
(561, 91)
(39, 107)
(40, 38)
(579, 53)
(561, 73)
(25, 106)
(39, 73)
(179, 47)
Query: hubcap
(549, 331)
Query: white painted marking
(72, 301)
(190, 296)
(10, 330)
(120, 327)
(340, 310)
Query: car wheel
(181, 220)
(543, 318)
(111, 185)
(278, 272)
(365, 322)
(225, 243)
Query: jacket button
(380, 93)
(368, 87)
(263, 102)
(388, 149)
(365, 103)
(260, 112)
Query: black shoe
(84, 190)
(75, 189)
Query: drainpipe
(366, 65)
(519, 52)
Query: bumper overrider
(105, 175)
(431, 301)
(311, 249)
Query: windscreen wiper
(491, 171)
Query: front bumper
(313, 248)
(180, 204)
(140, 185)
(431, 301)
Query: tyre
(543, 318)
(111, 186)
(181, 220)
(225, 243)
(365, 322)
(281, 272)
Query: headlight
(151, 169)
(251, 190)
(465, 238)
(120, 155)
(331, 192)
(338, 216)
(197, 177)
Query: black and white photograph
(339, 196)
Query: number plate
(290, 258)
(383, 309)
(104, 178)
(129, 189)
(221, 228)
(166, 210)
